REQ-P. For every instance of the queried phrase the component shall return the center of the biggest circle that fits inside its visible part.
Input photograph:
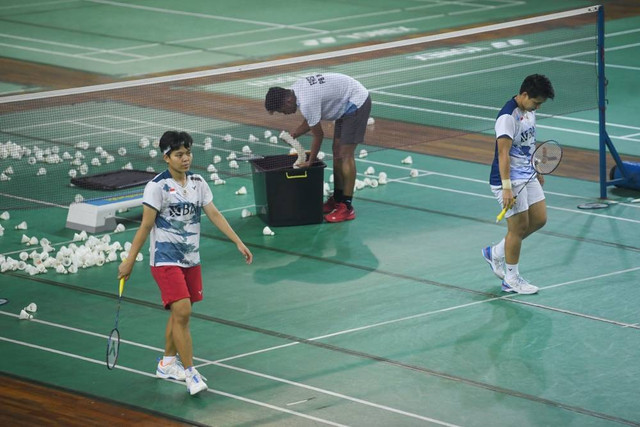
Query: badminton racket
(113, 342)
(545, 159)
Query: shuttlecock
(95, 162)
(153, 153)
(31, 308)
(267, 134)
(78, 198)
(122, 151)
(326, 190)
(73, 173)
(253, 138)
(363, 153)
(211, 169)
(233, 164)
(150, 169)
(373, 183)
(232, 156)
(60, 269)
(246, 149)
(214, 176)
(25, 239)
(24, 315)
(33, 241)
(41, 172)
(242, 190)
(219, 182)
(9, 170)
(407, 160)
(246, 213)
(359, 185)
(144, 142)
(207, 140)
(370, 171)
(4, 177)
(217, 159)
(5, 215)
(227, 138)
(370, 121)
(21, 226)
(414, 173)
(267, 231)
(139, 257)
(320, 155)
(23, 256)
(382, 178)
(119, 228)
(128, 166)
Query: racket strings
(547, 157)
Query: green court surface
(123, 39)
(393, 319)
(341, 324)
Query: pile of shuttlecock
(28, 312)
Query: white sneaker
(195, 382)
(518, 285)
(496, 263)
(174, 371)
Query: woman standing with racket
(173, 202)
(511, 171)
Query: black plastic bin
(287, 196)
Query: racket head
(546, 157)
(593, 205)
(113, 348)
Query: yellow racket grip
(501, 215)
(121, 286)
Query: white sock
(498, 250)
(168, 360)
(511, 271)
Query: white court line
(45, 3)
(222, 365)
(146, 374)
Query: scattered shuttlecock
(78, 198)
(32, 308)
(267, 134)
(153, 153)
(326, 190)
(414, 173)
(253, 138)
(217, 159)
(73, 173)
(242, 190)
(227, 138)
(25, 239)
(407, 160)
(4, 177)
(33, 241)
(211, 169)
(246, 150)
(119, 228)
(150, 169)
(232, 156)
(214, 176)
(144, 142)
(234, 164)
(373, 183)
(5, 215)
(370, 171)
(320, 155)
(207, 140)
(267, 231)
(139, 257)
(95, 161)
(246, 213)
(363, 153)
(273, 139)
(122, 151)
(370, 121)
(382, 178)
(24, 315)
(128, 166)
(23, 256)
(219, 182)
(41, 172)
(22, 226)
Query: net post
(604, 139)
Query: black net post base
(286, 196)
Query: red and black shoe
(329, 205)
(341, 213)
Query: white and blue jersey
(520, 127)
(175, 237)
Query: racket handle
(501, 215)
(121, 287)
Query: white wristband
(506, 184)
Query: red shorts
(178, 283)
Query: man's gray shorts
(350, 128)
